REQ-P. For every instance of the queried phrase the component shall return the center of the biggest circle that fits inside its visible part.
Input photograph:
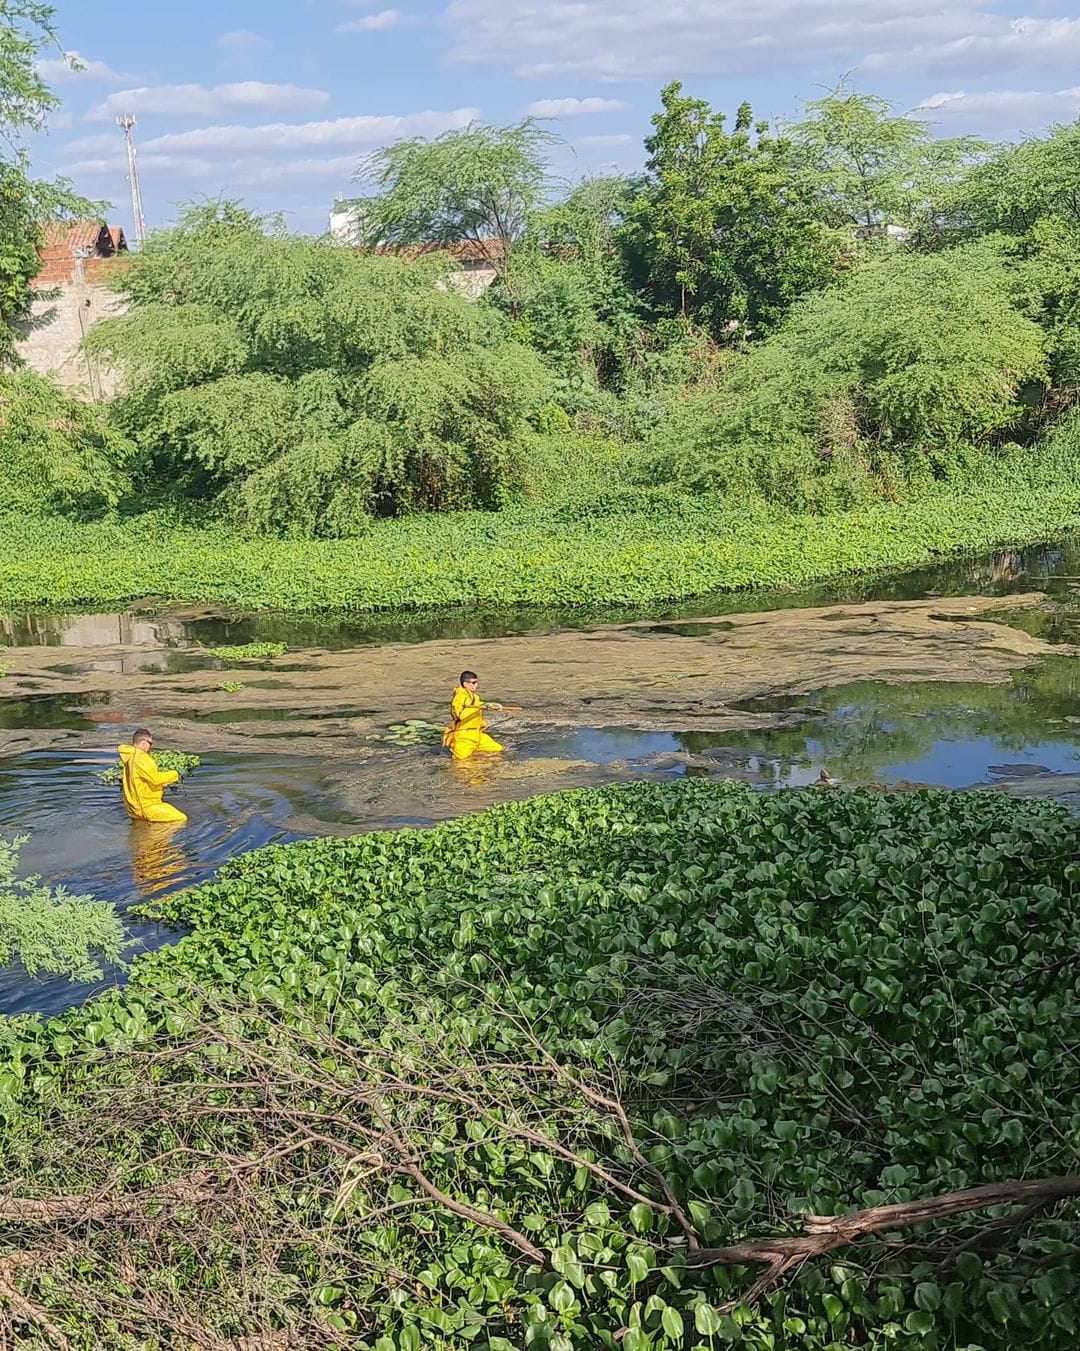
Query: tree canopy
(480, 185)
(305, 387)
(720, 230)
(865, 165)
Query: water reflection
(158, 863)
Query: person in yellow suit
(467, 732)
(144, 783)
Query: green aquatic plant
(231, 686)
(251, 652)
(166, 760)
(412, 732)
(51, 930)
(569, 1073)
(628, 547)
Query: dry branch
(823, 1234)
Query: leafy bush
(50, 929)
(58, 455)
(307, 387)
(909, 370)
(800, 1002)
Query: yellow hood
(126, 752)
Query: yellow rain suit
(143, 784)
(467, 733)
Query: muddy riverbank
(719, 673)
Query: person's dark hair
(468, 675)
(142, 734)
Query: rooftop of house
(63, 242)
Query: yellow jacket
(467, 711)
(143, 782)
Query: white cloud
(283, 136)
(197, 101)
(242, 39)
(1000, 113)
(993, 43)
(575, 107)
(614, 142)
(631, 40)
(374, 23)
(194, 171)
(58, 70)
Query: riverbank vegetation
(841, 333)
(626, 547)
(581, 1094)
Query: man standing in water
(467, 732)
(144, 783)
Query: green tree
(60, 455)
(911, 369)
(27, 32)
(480, 185)
(1030, 192)
(720, 231)
(568, 289)
(305, 387)
(1020, 185)
(868, 166)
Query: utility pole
(128, 124)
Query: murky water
(1022, 736)
(81, 836)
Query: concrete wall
(48, 341)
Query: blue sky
(275, 101)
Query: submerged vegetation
(579, 1093)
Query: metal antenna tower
(128, 124)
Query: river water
(1021, 735)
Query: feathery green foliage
(50, 930)
(305, 387)
(867, 166)
(478, 185)
(911, 369)
(59, 455)
(630, 546)
(1021, 184)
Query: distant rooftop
(65, 241)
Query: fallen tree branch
(823, 1234)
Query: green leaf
(707, 1320)
(641, 1217)
(671, 1320)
